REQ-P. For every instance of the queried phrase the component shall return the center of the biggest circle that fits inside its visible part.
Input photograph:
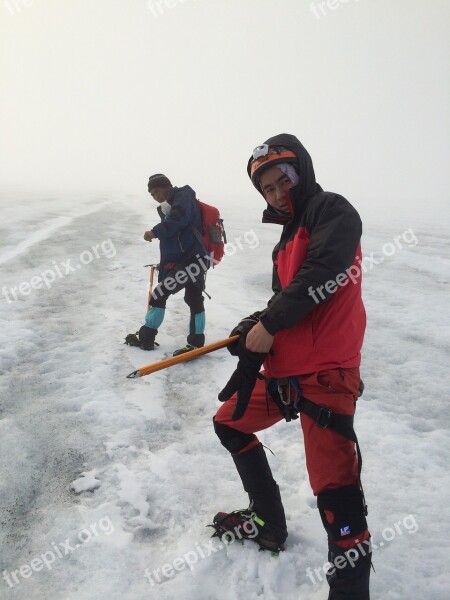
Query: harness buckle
(282, 386)
(324, 416)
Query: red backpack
(213, 236)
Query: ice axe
(174, 360)
(150, 289)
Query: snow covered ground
(107, 483)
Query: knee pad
(232, 439)
(342, 512)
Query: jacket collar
(297, 205)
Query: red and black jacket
(313, 328)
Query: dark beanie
(158, 180)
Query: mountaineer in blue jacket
(182, 264)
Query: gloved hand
(243, 380)
(242, 328)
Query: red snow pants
(331, 459)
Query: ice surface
(129, 472)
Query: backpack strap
(197, 234)
(194, 229)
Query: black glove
(242, 328)
(243, 380)
(361, 388)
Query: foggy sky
(96, 95)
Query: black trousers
(190, 277)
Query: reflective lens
(259, 151)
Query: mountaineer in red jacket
(309, 339)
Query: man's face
(160, 194)
(275, 186)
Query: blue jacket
(178, 243)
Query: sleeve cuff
(268, 325)
(156, 229)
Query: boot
(350, 573)
(246, 524)
(266, 509)
(144, 338)
(194, 341)
(197, 340)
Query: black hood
(307, 186)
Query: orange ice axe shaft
(175, 360)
